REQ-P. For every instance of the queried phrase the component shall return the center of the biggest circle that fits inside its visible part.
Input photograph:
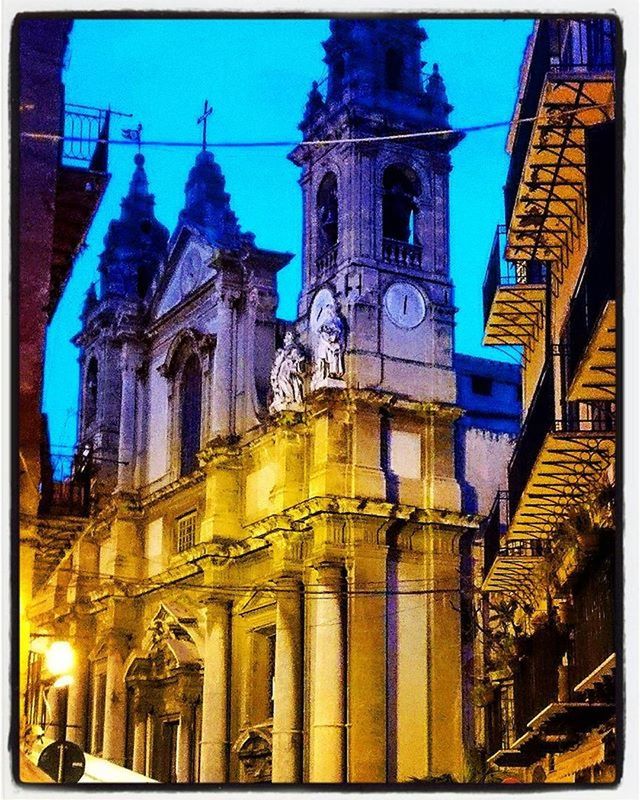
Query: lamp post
(60, 659)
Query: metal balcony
(557, 458)
(66, 485)
(565, 54)
(86, 136)
(513, 297)
(544, 722)
(81, 184)
(573, 91)
(594, 613)
(589, 334)
(402, 254)
(508, 562)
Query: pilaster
(223, 391)
(328, 687)
(367, 656)
(115, 701)
(287, 716)
(130, 361)
(222, 466)
(214, 747)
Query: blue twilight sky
(256, 74)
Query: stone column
(328, 677)
(287, 711)
(115, 702)
(77, 703)
(140, 709)
(214, 748)
(223, 384)
(126, 445)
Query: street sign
(63, 761)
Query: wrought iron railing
(576, 417)
(594, 416)
(496, 737)
(501, 272)
(524, 548)
(535, 676)
(493, 529)
(594, 612)
(561, 46)
(536, 75)
(587, 44)
(537, 425)
(401, 253)
(598, 282)
(496, 545)
(86, 136)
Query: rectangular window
(99, 710)
(185, 531)
(481, 385)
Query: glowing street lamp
(60, 660)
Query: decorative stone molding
(199, 343)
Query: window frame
(180, 536)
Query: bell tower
(376, 211)
(134, 247)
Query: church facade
(268, 586)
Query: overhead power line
(558, 118)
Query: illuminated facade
(267, 585)
(551, 574)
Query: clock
(322, 308)
(405, 305)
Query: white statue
(330, 350)
(287, 376)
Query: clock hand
(404, 308)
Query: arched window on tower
(393, 69)
(190, 414)
(91, 392)
(327, 210)
(401, 189)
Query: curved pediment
(190, 266)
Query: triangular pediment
(257, 600)
(189, 267)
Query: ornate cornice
(172, 488)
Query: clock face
(405, 305)
(322, 308)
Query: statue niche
(254, 755)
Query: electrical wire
(241, 590)
(318, 142)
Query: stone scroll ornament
(287, 376)
(329, 357)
